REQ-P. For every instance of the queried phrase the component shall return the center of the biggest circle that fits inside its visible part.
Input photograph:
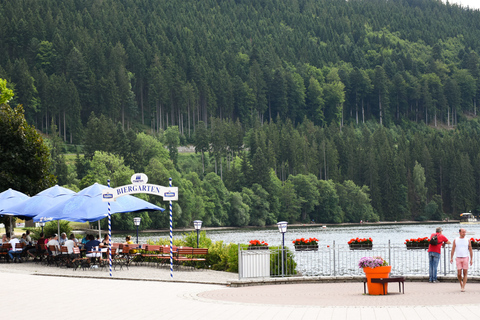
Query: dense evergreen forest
(325, 110)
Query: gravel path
(151, 273)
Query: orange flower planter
(378, 272)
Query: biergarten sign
(140, 185)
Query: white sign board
(138, 186)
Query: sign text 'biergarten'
(139, 185)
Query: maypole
(171, 233)
(109, 234)
(139, 185)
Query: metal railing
(340, 260)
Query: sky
(473, 4)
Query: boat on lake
(468, 218)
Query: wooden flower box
(416, 246)
(361, 246)
(306, 247)
(257, 248)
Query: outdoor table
(99, 252)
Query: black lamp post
(198, 225)
(136, 221)
(42, 224)
(282, 227)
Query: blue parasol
(39, 202)
(87, 206)
(10, 197)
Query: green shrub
(290, 266)
(190, 240)
(232, 256)
(223, 257)
(178, 242)
(220, 257)
(51, 227)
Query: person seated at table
(128, 240)
(4, 239)
(12, 252)
(54, 242)
(85, 239)
(23, 239)
(70, 244)
(37, 251)
(105, 241)
(63, 238)
(28, 238)
(90, 246)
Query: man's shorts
(462, 263)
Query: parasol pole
(171, 234)
(109, 234)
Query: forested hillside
(325, 101)
(170, 62)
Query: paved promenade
(29, 291)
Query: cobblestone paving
(350, 294)
(25, 293)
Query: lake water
(380, 234)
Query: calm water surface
(380, 234)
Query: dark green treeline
(416, 173)
(278, 171)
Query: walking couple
(461, 248)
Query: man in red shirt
(434, 254)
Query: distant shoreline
(295, 225)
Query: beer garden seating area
(121, 255)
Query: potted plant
(475, 243)
(375, 267)
(360, 244)
(257, 245)
(419, 243)
(302, 244)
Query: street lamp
(42, 224)
(136, 221)
(282, 227)
(198, 225)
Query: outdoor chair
(104, 262)
(64, 258)
(124, 258)
(79, 261)
(17, 255)
(41, 253)
(4, 251)
(53, 256)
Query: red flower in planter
(305, 242)
(475, 242)
(360, 241)
(256, 243)
(423, 240)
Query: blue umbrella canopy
(10, 197)
(87, 206)
(39, 202)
